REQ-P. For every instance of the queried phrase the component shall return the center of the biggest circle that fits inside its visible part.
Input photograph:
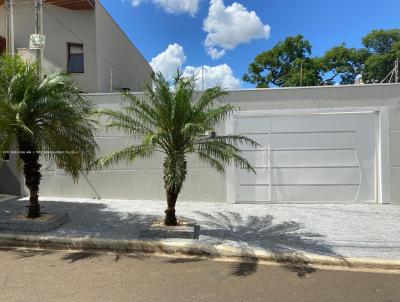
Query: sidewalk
(342, 231)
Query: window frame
(69, 45)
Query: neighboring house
(83, 40)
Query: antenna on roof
(394, 73)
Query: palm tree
(173, 121)
(46, 117)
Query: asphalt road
(35, 275)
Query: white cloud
(179, 6)
(214, 53)
(213, 76)
(135, 2)
(229, 26)
(173, 6)
(169, 60)
(174, 57)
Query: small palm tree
(174, 120)
(46, 117)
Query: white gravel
(348, 230)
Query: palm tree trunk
(175, 170)
(170, 218)
(32, 174)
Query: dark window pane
(75, 58)
(75, 63)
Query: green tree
(289, 63)
(174, 121)
(381, 41)
(383, 48)
(46, 117)
(344, 63)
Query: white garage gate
(309, 157)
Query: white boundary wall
(143, 179)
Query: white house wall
(143, 180)
(119, 55)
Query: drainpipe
(39, 30)
(10, 27)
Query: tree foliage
(174, 121)
(342, 62)
(383, 47)
(281, 66)
(290, 63)
(43, 117)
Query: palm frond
(128, 154)
(51, 113)
(224, 153)
(174, 118)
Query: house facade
(334, 144)
(83, 40)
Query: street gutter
(192, 248)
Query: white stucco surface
(142, 180)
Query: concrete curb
(192, 249)
(7, 197)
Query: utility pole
(301, 74)
(39, 31)
(111, 81)
(10, 41)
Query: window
(75, 58)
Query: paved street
(37, 275)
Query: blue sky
(187, 32)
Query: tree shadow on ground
(22, 253)
(137, 256)
(81, 255)
(86, 219)
(286, 241)
(97, 220)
